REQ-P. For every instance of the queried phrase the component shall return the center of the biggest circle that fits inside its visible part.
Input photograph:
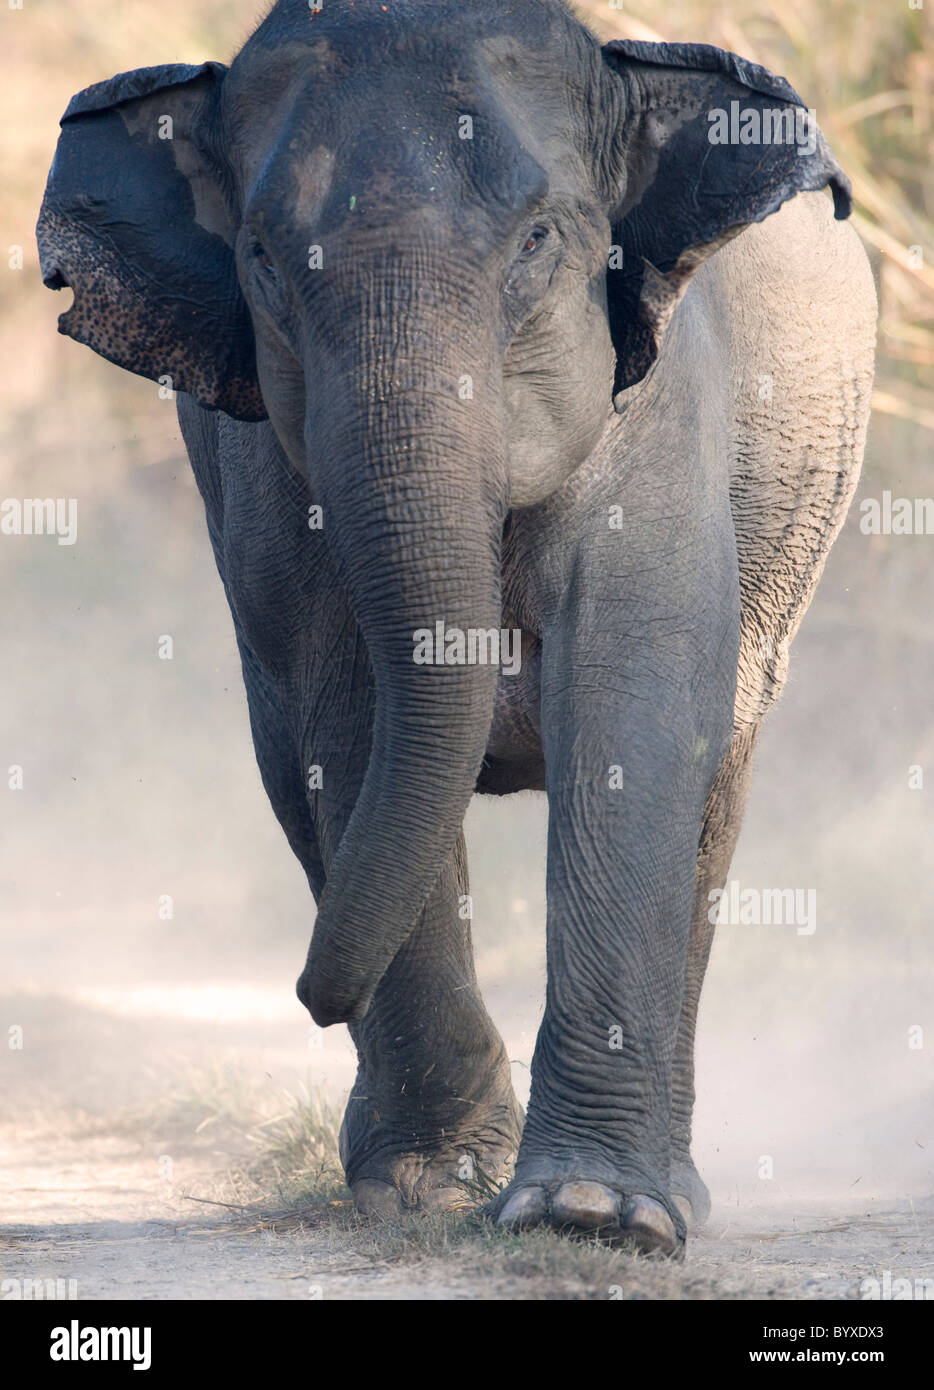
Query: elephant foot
(414, 1182)
(384, 1202)
(579, 1206)
(689, 1194)
(392, 1174)
(417, 1187)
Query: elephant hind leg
(723, 817)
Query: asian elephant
(490, 340)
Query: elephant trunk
(413, 516)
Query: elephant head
(431, 242)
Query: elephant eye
(535, 239)
(265, 260)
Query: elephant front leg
(432, 1114)
(629, 763)
(432, 1106)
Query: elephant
(525, 380)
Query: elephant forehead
(341, 35)
(429, 104)
(377, 154)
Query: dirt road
(110, 1213)
(151, 1144)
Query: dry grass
(262, 1162)
(293, 1183)
(283, 1146)
(297, 1153)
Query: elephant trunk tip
(328, 1003)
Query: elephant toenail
(527, 1207)
(587, 1205)
(649, 1225)
(685, 1208)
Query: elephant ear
(135, 220)
(701, 154)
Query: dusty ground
(94, 1208)
(145, 1178)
